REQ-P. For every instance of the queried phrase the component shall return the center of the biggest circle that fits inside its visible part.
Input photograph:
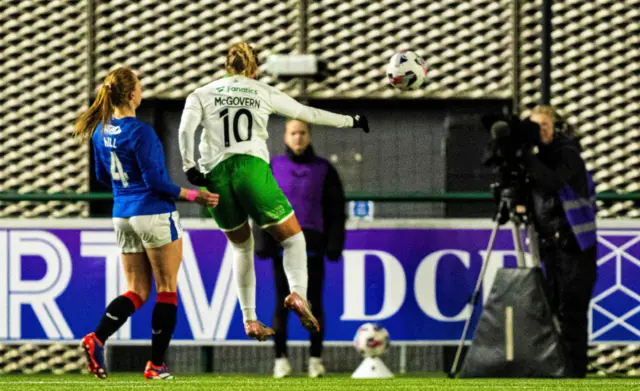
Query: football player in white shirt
(234, 163)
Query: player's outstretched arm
(286, 106)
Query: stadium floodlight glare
(293, 65)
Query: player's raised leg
(291, 238)
(260, 195)
(138, 274)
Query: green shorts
(247, 188)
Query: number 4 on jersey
(117, 173)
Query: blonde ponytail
(242, 60)
(117, 86)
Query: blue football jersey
(130, 158)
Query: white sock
(244, 275)
(295, 263)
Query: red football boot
(152, 372)
(95, 355)
(301, 307)
(257, 330)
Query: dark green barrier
(404, 197)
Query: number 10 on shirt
(224, 114)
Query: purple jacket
(303, 184)
(315, 192)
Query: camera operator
(563, 197)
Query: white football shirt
(234, 113)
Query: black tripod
(513, 210)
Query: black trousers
(570, 278)
(315, 267)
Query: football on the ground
(406, 71)
(371, 340)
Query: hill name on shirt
(237, 101)
(110, 142)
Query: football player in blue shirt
(130, 159)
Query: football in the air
(406, 71)
(371, 340)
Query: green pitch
(119, 381)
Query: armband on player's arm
(188, 194)
(191, 118)
(202, 197)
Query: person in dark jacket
(313, 187)
(563, 196)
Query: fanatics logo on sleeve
(243, 90)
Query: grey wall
(405, 152)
